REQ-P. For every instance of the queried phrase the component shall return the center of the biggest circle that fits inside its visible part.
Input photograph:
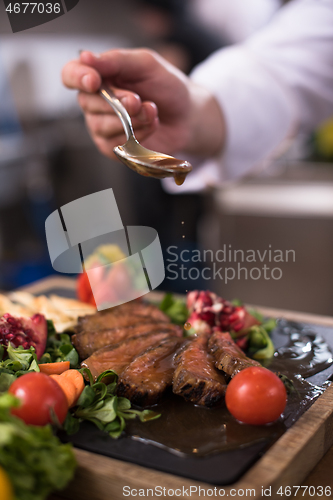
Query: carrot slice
(77, 380)
(54, 368)
(67, 387)
(72, 383)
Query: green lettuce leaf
(174, 308)
(34, 459)
(18, 362)
(59, 347)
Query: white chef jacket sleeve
(276, 83)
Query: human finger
(76, 75)
(130, 65)
(108, 125)
(106, 145)
(94, 103)
(145, 131)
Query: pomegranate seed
(12, 330)
(238, 326)
(217, 312)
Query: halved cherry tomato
(41, 399)
(256, 396)
(54, 368)
(83, 289)
(119, 280)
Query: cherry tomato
(119, 280)
(83, 289)
(256, 396)
(40, 396)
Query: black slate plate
(219, 469)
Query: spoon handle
(121, 111)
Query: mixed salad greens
(174, 308)
(17, 362)
(99, 404)
(33, 457)
(59, 347)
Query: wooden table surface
(321, 475)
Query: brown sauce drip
(144, 162)
(180, 179)
(305, 354)
(163, 368)
(181, 168)
(185, 429)
(165, 364)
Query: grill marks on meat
(195, 377)
(123, 315)
(86, 343)
(104, 321)
(119, 356)
(227, 355)
(145, 380)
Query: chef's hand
(169, 112)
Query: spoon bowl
(142, 160)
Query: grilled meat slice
(227, 355)
(145, 380)
(104, 321)
(86, 343)
(123, 315)
(119, 356)
(195, 377)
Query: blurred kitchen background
(47, 158)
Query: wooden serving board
(287, 463)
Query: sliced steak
(227, 355)
(86, 343)
(103, 322)
(145, 380)
(123, 315)
(119, 356)
(195, 377)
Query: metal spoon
(142, 160)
